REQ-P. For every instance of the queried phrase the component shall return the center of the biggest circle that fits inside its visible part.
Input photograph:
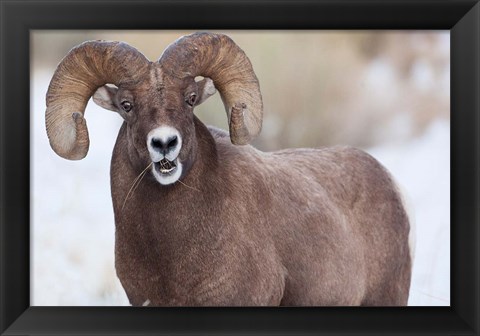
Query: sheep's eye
(191, 99)
(126, 105)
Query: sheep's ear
(205, 90)
(104, 97)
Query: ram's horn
(216, 56)
(84, 69)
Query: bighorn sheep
(215, 223)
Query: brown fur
(333, 232)
(243, 227)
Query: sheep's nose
(164, 145)
(164, 142)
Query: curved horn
(84, 69)
(216, 56)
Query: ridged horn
(216, 56)
(84, 69)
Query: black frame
(18, 17)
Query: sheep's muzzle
(165, 166)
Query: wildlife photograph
(240, 168)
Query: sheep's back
(333, 215)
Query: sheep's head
(156, 99)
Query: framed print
(406, 127)
(397, 79)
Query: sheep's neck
(160, 230)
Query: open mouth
(166, 167)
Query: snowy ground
(73, 228)
(422, 169)
(72, 218)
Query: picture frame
(19, 17)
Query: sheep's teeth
(166, 166)
(166, 170)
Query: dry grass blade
(186, 185)
(189, 186)
(136, 183)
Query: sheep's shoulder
(218, 133)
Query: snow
(72, 217)
(73, 226)
(422, 168)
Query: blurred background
(387, 92)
